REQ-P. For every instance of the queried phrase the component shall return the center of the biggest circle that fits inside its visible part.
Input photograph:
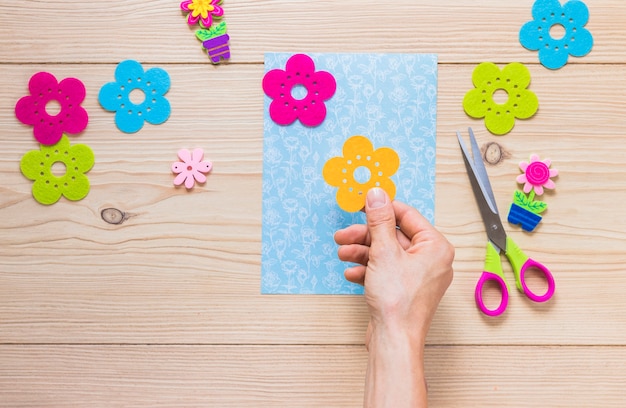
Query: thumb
(381, 218)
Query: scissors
(498, 240)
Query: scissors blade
(481, 172)
(482, 192)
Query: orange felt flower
(360, 169)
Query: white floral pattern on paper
(389, 98)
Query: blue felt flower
(544, 32)
(148, 102)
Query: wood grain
(163, 307)
(169, 266)
(460, 32)
(301, 376)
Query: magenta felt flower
(537, 175)
(36, 109)
(299, 76)
(202, 10)
(191, 168)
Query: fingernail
(376, 198)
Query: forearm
(395, 372)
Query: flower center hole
(299, 92)
(58, 169)
(362, 175)
(557, 31)
(500, 96)
(53, 107)
(137, 96)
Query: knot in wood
(113, 216)
(493, 153)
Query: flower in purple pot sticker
(215, 41)
(36, 109)
(299, 92)
(202, 10)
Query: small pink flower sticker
(202, 10)
(537, 175)
(317, 87)
(191, 168)
(35, 109)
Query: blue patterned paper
(389, 98)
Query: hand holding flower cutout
(359, 157)
(512, 80)
(191, 168)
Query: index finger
(410, 221)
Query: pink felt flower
(35, 109)
(191, 168)
(287, 105)
(537, 175)
(203, 10)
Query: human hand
(405, 270)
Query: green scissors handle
(521, 264)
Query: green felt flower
(71, 161)
(511, 82)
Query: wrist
(395, 375)
(399, 331)
(397, 337)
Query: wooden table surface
(164, 309)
